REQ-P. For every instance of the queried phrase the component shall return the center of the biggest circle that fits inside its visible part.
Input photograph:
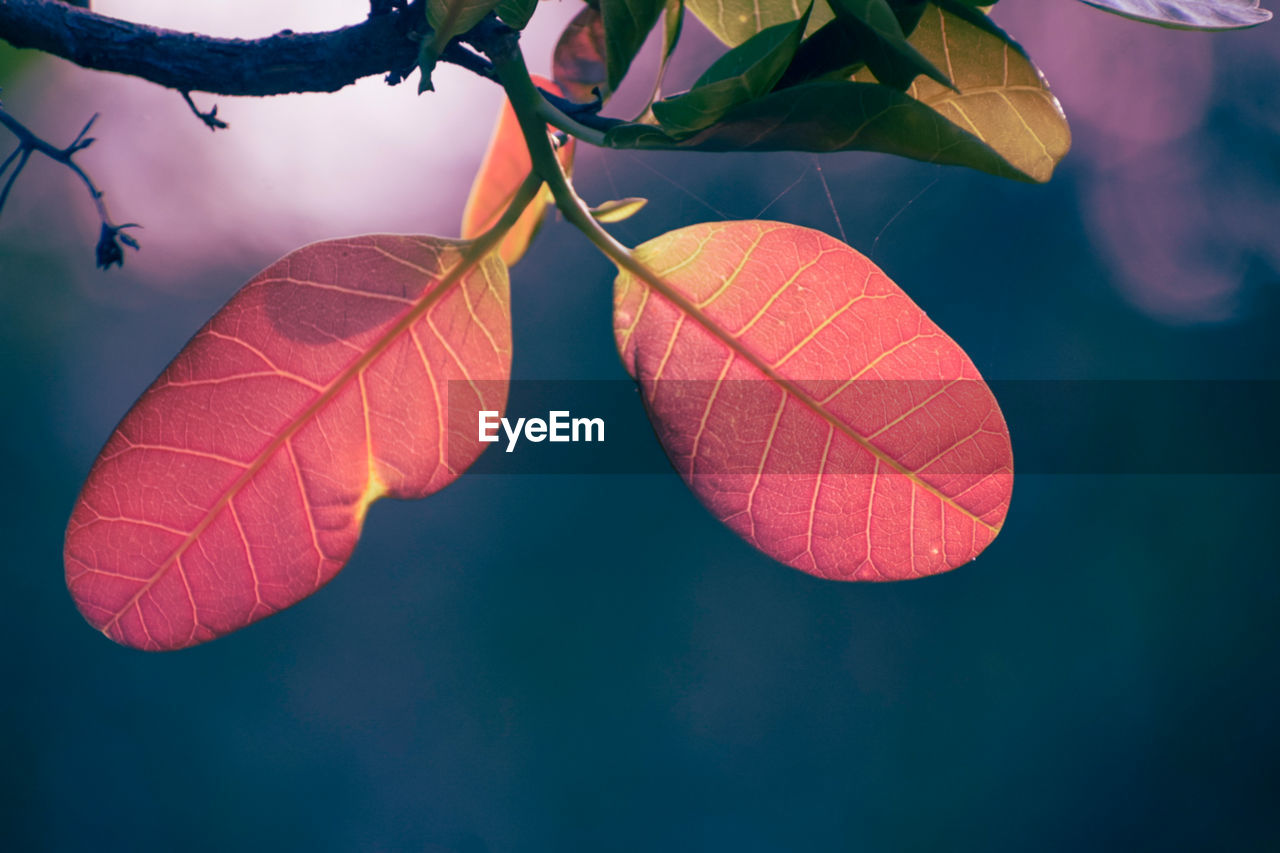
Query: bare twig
(109, 249)
(210, 118)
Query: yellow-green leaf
(1003, 98)
(830, 115)
(451, 18)
(448, 18)
(516, 13)
(747, 71)
(895, 61)
(735, 21)
(626, 25)
(618, 210)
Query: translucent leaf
(1002, 99)
(811, 405)
(747, 71)
(238, 484)
(505, 165)
(617, 211)
(735, 21)
(626, 25)
(831, 116)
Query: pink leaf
(238, 483)
(811, 405)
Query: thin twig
(210, 118)
(111, 235)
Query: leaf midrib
(662, 286)
(465, 264)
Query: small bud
(109, 251)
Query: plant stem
(554, 117)
(526, 101)
(524, 98)
(28, 142)
(525, 194)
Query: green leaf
(969, 12)
(831, 116)
(1003, 99)
(746, 72)
(448, 18)
(451, 18)
(626, 25)
(838, 49)
(672, 23)
(908, 13)
(427, 58)
(1003, 121)
(616, 211)
(834, 51)
(735, 21)
(875, 29)
(1188, 14)
(516, 13)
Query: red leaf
(861, 443)
(578, 63)
(505, 166)
(238, 483)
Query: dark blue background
(591, 662)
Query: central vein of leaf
(471, 255)
(650, 278)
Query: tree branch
(386, 43)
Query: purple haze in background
(1175, 216)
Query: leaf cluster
(933, 80)
(804, 398)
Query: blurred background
(590, 662)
